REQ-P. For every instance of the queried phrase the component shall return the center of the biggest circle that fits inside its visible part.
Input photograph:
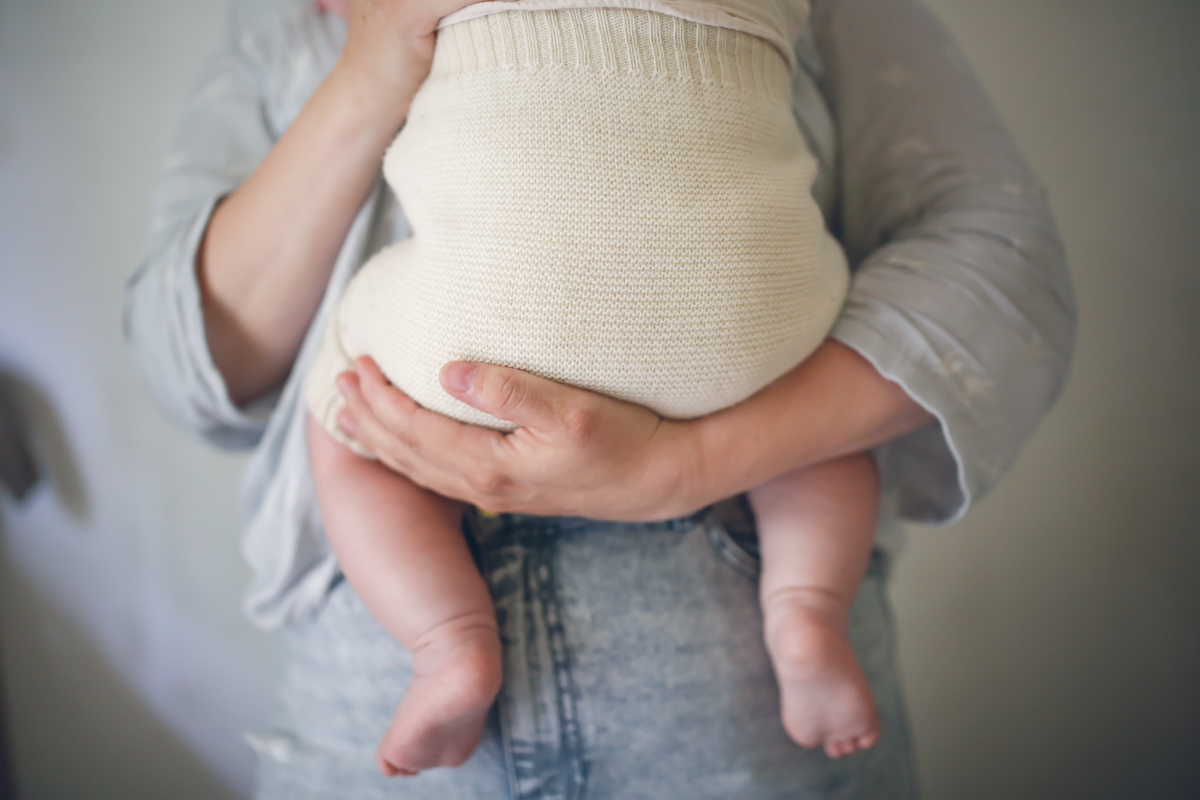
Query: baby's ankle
(824, 696)
(462, 628)
(457, 673)
(468, 646)
(803, 626)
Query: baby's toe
(839, 749)
(867, 740)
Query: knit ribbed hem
(611, 41)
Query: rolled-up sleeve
(222, 136)
(960, 290)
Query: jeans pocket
(729, 550)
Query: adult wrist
(371, 102)
(722, 453)
(683, 477)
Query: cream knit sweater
(614, 198)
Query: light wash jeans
(634, 669)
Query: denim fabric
(634, 668)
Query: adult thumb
(513, 395)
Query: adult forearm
(833, 404)
(271, 245)
(584, 454)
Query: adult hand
(389, 44)
(576, 452)
(579, 453)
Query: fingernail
(459, 376)
(346, 423)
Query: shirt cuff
(925, 475)
(166, 324)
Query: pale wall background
(1051, 642)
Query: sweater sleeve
(960, 290)
(225, 131)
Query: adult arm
(247, 222)
(960, 312)
(578, 453)
(271, 245)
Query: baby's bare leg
(816, 527)
(402, 549)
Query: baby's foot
(456, 675)
(824, 697)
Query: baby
(618, 199)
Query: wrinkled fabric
(634, 669)
(960, 291)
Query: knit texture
(610, 198)
(777, 21)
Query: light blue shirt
(960, 291)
